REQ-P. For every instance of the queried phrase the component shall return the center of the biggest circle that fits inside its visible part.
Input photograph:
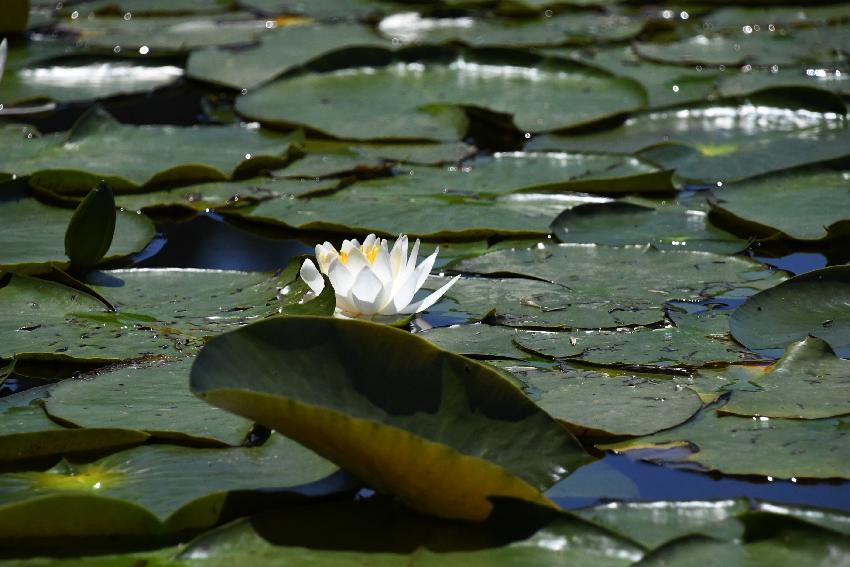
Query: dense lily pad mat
(808, 382)
(128, 157)
(131, 397)
(151, 489)
(33, 235)
(778, 448)
(815, 303)
(159, 312)
(405, 428)
(719, 143)
(413, 100)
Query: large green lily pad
(718, 143)
(28, 433)
(164, 35)
(610, 405)
(149, 7)
(568, 28)
(654, 524)
(325, 157)
(384, 211)
(151, 489)
(778, 448)
(442, 433)
(33, 235)
(816, 304)
(627, 278)
(131, 397)
(476, 341)
(129, 157)
(511, 172)
(809, 206)
(424, 100)
(324, 10)
(284, 49)
(665, 225)
(808, 382)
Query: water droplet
(128, 16)
(527, 135)
(74, 15)
(117, 49)
(244, 91)
(144, 50)
(675, 88)
(747, 29)
(247, 156)
(270, 24)
(548, 13)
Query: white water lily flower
(369, 279)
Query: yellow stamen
(343, 257)
(370, 254)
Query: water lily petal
(382, 269)
(430, 300)
(398, 255)
(356, 261)
(341, 278)
(325, 253)
(4, 49)
(312, 277)
(366, 291)
(424, 268)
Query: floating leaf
(27, 432)
(32, 235)
(129, 157)
(477, 341)
(152, 489)
(778, 448)
(325, 158)
(279, 51)
(633, 277)
(610, 405)
(666, 226)
(131, 397)
(568, 28)
(801, 206)
(653, 524)
(164, 35)
(423, 100)
(426, 432)
(816, 304)
(808, 382)
(530, 172)
(718, 143)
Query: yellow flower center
(371, 253)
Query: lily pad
(718, 143)
(778, 448)
(693, 342)
(594, 402)
(810, 206)
(653, 524)
(665, 85)
(159, 312)
(83, 80)
(325, 158)
(151, 489)
(28, 433)
(667, 226)
(627, 278)
(324, 10)
(476, 341)
(164, 35)
(129, 157)
(33, 235)
(223, 195)
(151, 7)
(808, 382)
(568, 28)
(816, 304)
(388, 213)
(531, 172)
(131, 397)
(443, 439)
(424, 100)
(282, 50)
